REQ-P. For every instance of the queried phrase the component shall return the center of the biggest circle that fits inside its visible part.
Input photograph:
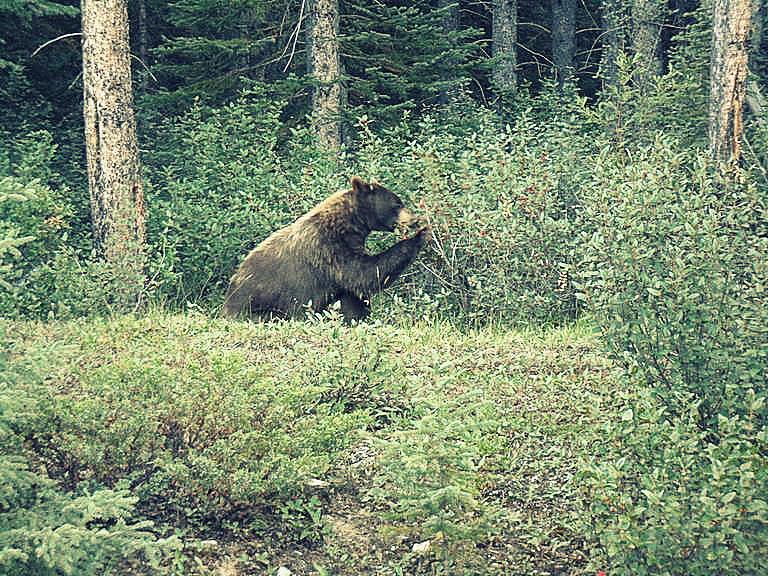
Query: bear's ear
(358, 185)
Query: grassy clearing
(326, 449)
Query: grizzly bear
(320, 259)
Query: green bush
(45, 530)
(502, 202)
(663, 498)
(218, 184)
(47, 268)
(677, 273)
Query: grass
(323, 448)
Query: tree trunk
(614, 24)
(647, 20)
(563, 39)
(450, 25)
(758, 17)
(505, 46)
(728, 79)
(757, 57)
(112, 154)
(143, 51)
(324, 63)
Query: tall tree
(614, 19)
(756, 63)
(324, 65)
(728, 79)
(504, 49)
(112, 154)
(450, 24)
(647, 20)
(563, 38)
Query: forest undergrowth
(376, 449)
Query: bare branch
(56, 40)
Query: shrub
(502, 202)
(45, 530)
(47, 270)
(218, 186)
(663, 498)
(676, 272)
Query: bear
(320, 259)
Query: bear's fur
(320, 258)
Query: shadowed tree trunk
(756, 63)
(324, 63)
(614, 24)
(505, 46)
(647, 20)
(563, 36)
(143, 51)
(450, 23)
(728, 79)
(112, 154)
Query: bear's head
(380, 208)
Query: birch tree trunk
(647, 20)
(324, 63)
(563, 36)
(614, 24)
(728, 79)
(112, 154)
(504, 49)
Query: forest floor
(324, 449)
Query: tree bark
(728, 79)
(450, 24)
(504, 49)
(614, 23)
(647, 20)
(563, 39)
(112, 154)
(756, 56)
(143, 51)
(324, 63)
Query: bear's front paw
(424, 233)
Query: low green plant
(502, 202)
(429, 475)
(218, 441)
(664, 498)
(45, 530)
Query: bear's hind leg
(353, 308)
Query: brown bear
(320, 258)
